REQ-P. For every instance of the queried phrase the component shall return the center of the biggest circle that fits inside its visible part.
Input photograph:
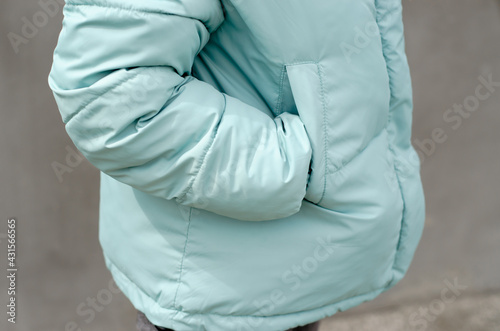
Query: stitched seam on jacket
(182, 259)
(182, 197)
(325, 136)
(385, 48)
(324, 119)
(138, 10)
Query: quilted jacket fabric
(256, 165)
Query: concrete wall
(450, 43)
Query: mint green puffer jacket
(255, 156)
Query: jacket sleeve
(121, 80)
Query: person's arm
(121, 79)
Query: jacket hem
(184, 320)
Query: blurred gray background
(450, 44)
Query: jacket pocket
(306, 84)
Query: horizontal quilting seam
(138, 10)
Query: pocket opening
(306, 87)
